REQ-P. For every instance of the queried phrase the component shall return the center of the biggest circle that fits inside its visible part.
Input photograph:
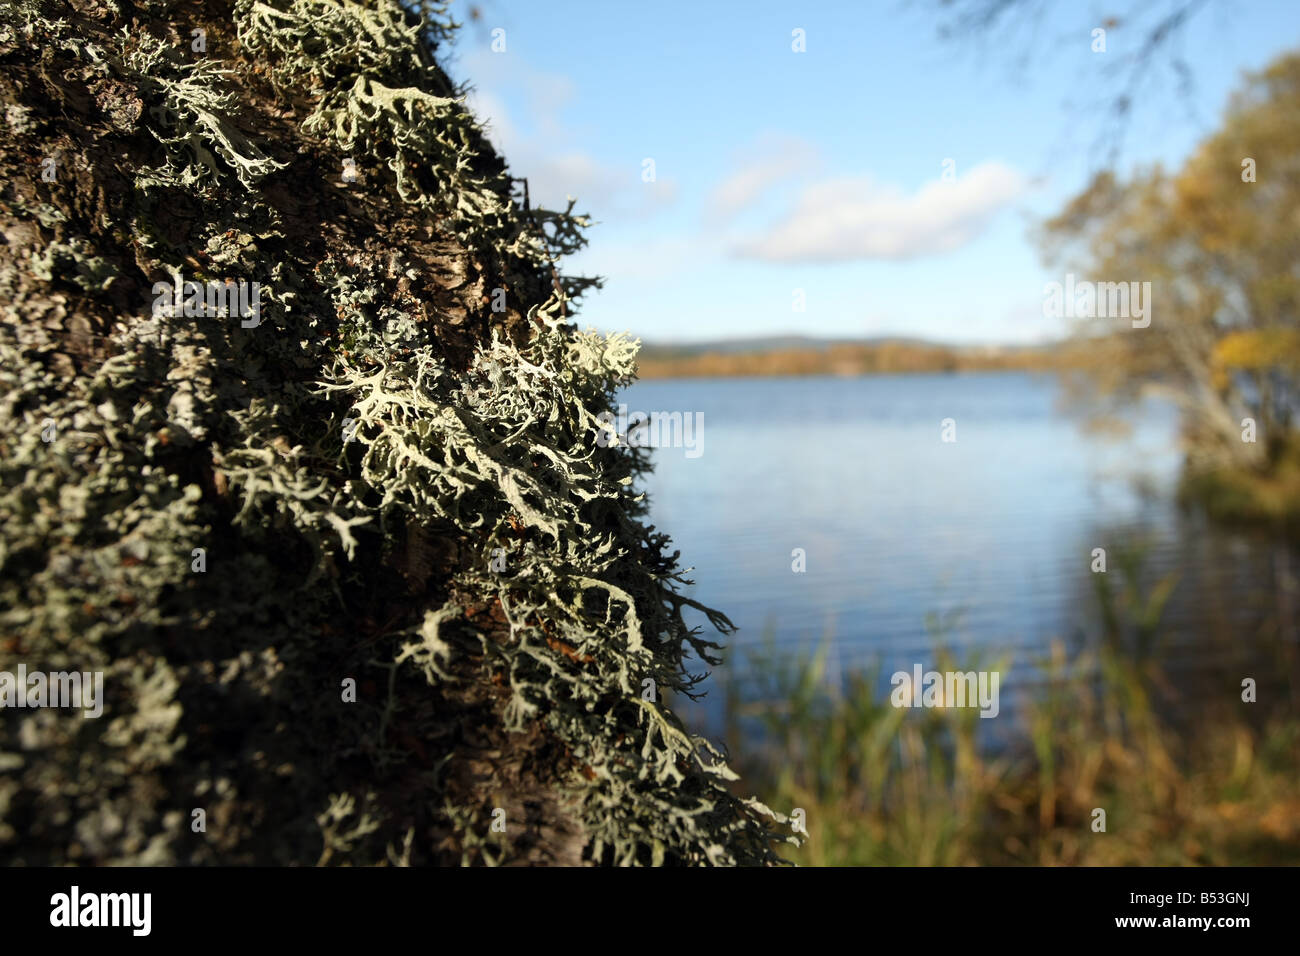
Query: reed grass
(1214, 782)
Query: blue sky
(822, 171)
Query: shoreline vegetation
(882, 786)
(800, 357)
(1101, 768)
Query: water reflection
(986, 542)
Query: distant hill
(765, 343)
(806, 355)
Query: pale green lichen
(463, 542)
(192, 117)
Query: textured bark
(223, 686)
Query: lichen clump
(363, 586)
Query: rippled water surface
(987, 540)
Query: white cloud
(653, 260)
(538, 146)
(856, 218)
(772, 159)
(601, 189)
(492, 115)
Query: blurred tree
(1150, 55)
(1219, 242)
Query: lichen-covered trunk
(297, 451)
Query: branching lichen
(363, 584)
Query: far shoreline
(843, 360)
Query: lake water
(983, 542)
